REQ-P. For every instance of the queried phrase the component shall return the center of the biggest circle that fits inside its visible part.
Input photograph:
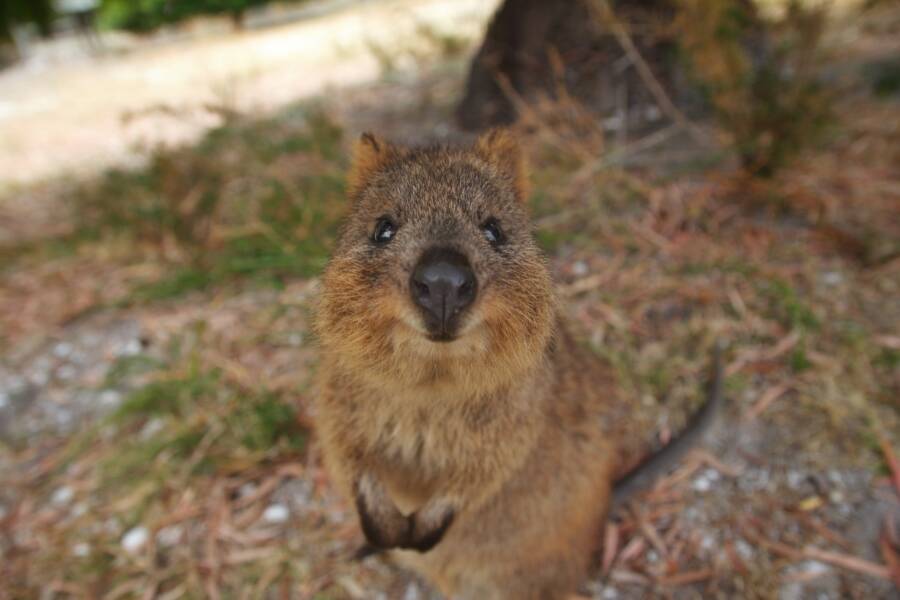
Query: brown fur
(495, 452)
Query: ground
(157, 368)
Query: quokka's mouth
(442, 337)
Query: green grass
(189, 419)
(254, 200)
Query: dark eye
(492, 232)
(384, 231)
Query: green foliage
(884, 76)
(257, 199)
(146, 15)
(761, 76)
(789, 308)
(195, 413)
(37, 12)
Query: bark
(536, 47)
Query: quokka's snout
(443, 285)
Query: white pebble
(62, 349)
(4, 400)
(814, 567)
(412, 592)
(135, 539)
(65, 372)
(795, 479)
(62, 495)
(151, 428)
(169, 536)
(110, 398)
(832, 278)
(81, 549)
(701, 484)
(247, 489)
(276, 513)
(131, 348)
(580, 268)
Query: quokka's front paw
(381, 521)
(427, 528)
(385, 527)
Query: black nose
(443, 285)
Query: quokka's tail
(653, 466)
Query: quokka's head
(436, 271)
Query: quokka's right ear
(370, 155)
(500, 148)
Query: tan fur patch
(500, 149)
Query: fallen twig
(891, 558)
(610, 546)
(604, 13)
(686, 577)
(766, 399)
(892, 462)
(845, 561)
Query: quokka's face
(437, 256)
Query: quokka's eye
(492, 232)
(385, 229)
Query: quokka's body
(479, 442)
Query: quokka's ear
(500, 148)
(370, 154)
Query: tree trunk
(537, 47)
(237, 19)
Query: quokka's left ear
(370, 155)
(500, 148)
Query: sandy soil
(67, 112)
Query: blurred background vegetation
(146, 15)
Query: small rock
(276, 513)
(412, 592)
(795, 479)
(248, 489)
(169, 536)
(151, 428)
(712, 475)
(130, 348)
(39, 377)
(744, 549)
(4, 400)
(832, 278)
(65, 372)
(580, 268)
(814, 567)
(701, 484)
(81, 549)
(135, 539)
(62, 349)
(110, 398)
(62, 495)
(652, 113)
